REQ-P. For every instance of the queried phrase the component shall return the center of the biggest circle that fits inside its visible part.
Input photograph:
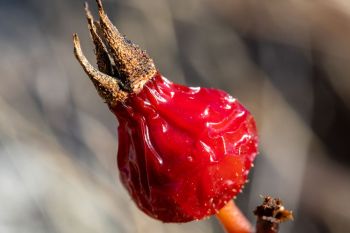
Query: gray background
(287, 61)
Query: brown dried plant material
(123, 68)
(270, 214)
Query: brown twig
(270, 214)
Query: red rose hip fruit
(183, 152)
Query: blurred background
(287, 61)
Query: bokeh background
(287, 61)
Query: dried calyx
(123, 68)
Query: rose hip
(184, 152)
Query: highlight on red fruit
(183, 152)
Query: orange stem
(233, 220)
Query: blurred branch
(270, 214)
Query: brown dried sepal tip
(123, 68)
(270, 214)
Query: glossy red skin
(183, 152)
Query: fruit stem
(270, 214)
(233, 219)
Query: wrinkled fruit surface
(183, 152)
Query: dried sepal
(123, 67)
(104, 62)
(107, 86)
(134, 65)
